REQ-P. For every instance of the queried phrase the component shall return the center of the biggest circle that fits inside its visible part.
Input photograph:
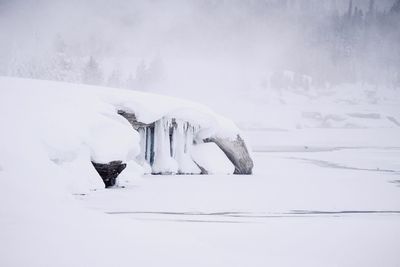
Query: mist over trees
(144, 45)
(92, 73)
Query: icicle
(189, 132)
(141, 158)
(163, 162)
(167, 142)
(183, 144)
(142, 133)
(174, 139)
(179, 140)
(148, 145)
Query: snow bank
(211, 159)
(72, 127)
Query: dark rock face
(109, 171)
(131, 118)
(237, 153)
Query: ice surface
(319, 215)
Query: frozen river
(335, 207)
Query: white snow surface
(293, 212)
(319, 197)
(212, 159)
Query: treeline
(62, 64)
(360, 46)
(353, 46)
(333, 46)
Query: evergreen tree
(141, 73)
(371, 10)
(156, 70)
(92, 73)
(350, 9)
(114, 80)
(130, 82)
(61, 67)
(396, 7)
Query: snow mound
(211, 159)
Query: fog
(202, 47)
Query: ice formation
(165, 145)
(163, 161)
(183, 141)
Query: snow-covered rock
(75, 124)
(236, 151)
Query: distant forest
(330, 44)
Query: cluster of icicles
(166, 147)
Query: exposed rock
(237, 153)
(109, 171)
(131, 118)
